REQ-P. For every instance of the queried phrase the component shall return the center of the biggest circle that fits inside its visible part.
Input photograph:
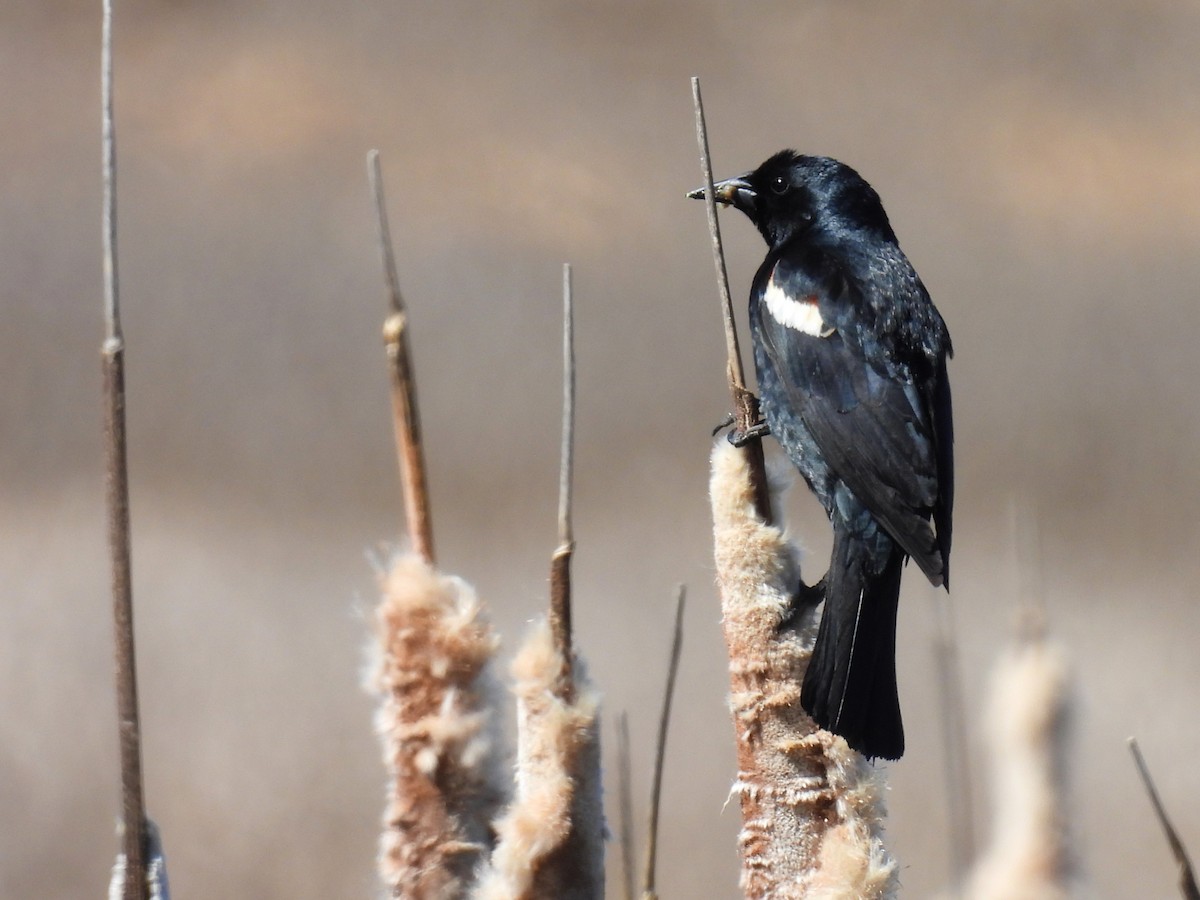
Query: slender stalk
(133, 812)
(108, 167)
(954, 740)
(1031, 570)
(625, 805)
(560, 563)
(1187, 876)
(566, 472)
(649, 887)
(737, 377)
(745, 404)
(406, 420)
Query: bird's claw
(724, 423)
(753, 433)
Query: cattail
(812, 809)
(551, 839)
(434, 680)
(1028, 857)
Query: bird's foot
(810, 594)
(753, 433)
(804, 601)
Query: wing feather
(874, 426)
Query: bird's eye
(779, 185)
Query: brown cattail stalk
(745, 404)
(157, 885)
(649, 879)
(1187, 877)
(560, 562)
(812, 809)
(406, 420)
(133, 810)
(1029, 854)
(625, 805)
(436, 688)
(551, 839)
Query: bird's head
(791, 194)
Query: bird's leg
(810, 594)
(806, 598)
(747, 411)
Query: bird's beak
(735, 192)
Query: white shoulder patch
(800, 315)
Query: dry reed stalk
(745, 404)
(1029, 855)
(812, 808)
(649, 874)
(132, 861)
(157, 885)
(435, 683)
(625, 805)
(551, 839)
(1187, 876)
(406, 419)
(560, 561)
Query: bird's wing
(943, 428)
(874, 428)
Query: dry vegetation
(460, 823)
(812, 809)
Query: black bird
(850, 355)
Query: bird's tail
(850, 685)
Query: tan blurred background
(1041, 164)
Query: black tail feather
(850, 685)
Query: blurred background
(1040, 163)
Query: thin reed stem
(133, 811)
(625, 805)
(745, 404)
(560, 563)
(649, 879)
(1187, 876)
(406, 420)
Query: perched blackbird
(850, 355)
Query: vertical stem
(625, 805)
(1187, 877)
(129, 727)
(954, 740)
(108, 169)
(737, 377)
(567, 468)
(649, 887)
(117, 489)
(560, 563)
(406, 420)
(745, 404)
